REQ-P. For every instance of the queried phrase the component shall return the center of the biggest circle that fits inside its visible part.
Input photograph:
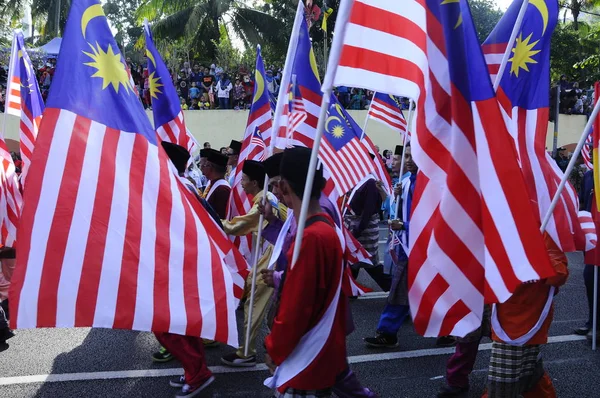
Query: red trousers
(190, 352)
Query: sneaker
(189, 391)
(178, 381)
(445, 341)
(162, 355)
(582, 331)
(3, 346)
(210, 343)
(239, 362)
(381, 341)
(452, 392)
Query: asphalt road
(111, 363)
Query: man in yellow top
(252, 182)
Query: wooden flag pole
(511, 43)
(563, 182)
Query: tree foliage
(486, 15)
(121, 15)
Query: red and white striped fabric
(473, 236)
(386, 110)
(115, 240)
(380, 171)
(176, 132)
(586, 152)
(589, 229)
(25, 104)
(259, 119)
(348, 166)
(493, 57)
(298, 114)
(259, 144)
(11, 200)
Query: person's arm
(242, 225)
(297, 303)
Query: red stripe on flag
(191, 293)
(87, 295)
(61, 224)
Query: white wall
(220, 127)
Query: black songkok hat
(272, 165)
(294, 169)
(236, 146)
(204, 153)
(178, 155)
(399, 149)
(254, 170)
(216, 157)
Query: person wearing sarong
(218, 189)
(347, 384)
(519, 329)
(397, 308)
(233, 154)
(252, 182)
(389, 208)
(306, 364)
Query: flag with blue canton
(259, 119)
(387, 109)
(259, 143)
(24, 100)
(166, 108)
(524, 98)
(272, 102)
(344, 155)
(307, 89)
(111, 235)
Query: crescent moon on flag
(90, 13)
(313, 64)
(260, 86)
(543, 9)
(151, 57)
(331, 118)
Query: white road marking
(136, 374)
(373, 295)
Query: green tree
(485, 16)
(121, 15)
(199, 21)
(576, 6)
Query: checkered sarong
(513, 370)
(293, 393)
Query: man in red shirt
(307, 340)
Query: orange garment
(522, 310)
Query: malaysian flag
(586, 151)
(166, 107)
(111, 237)
(11, 200)
(259, 144)
(473, 235)
(386, 109)
(24, 100)
(259, 120)
(524, 99)
(297, 112)
(306, 93)
(342, 152)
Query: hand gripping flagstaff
(511, 43)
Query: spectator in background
(223, 150)
(249, 89)
(206, 145)
(344, 96)
(562, 160)
(204, 102)
(186, 71)
(224, 86)
(184, 106)
(196, 75)
(578, 107)
(194, 106)
(239, 93)
(271, 83)
(194, 92)
(356, 102)
(212, 70)
(207, 81)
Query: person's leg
(262, 296)
(347, 385)
(381, 278)
(392, 318)
(588, 280)
(190, 352)
(504, 372)
(460, 365)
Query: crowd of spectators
(573, 99)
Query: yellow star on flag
(338, 131)
(109, 68)
(154, 84)
(522, 54)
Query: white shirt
(223, 92)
